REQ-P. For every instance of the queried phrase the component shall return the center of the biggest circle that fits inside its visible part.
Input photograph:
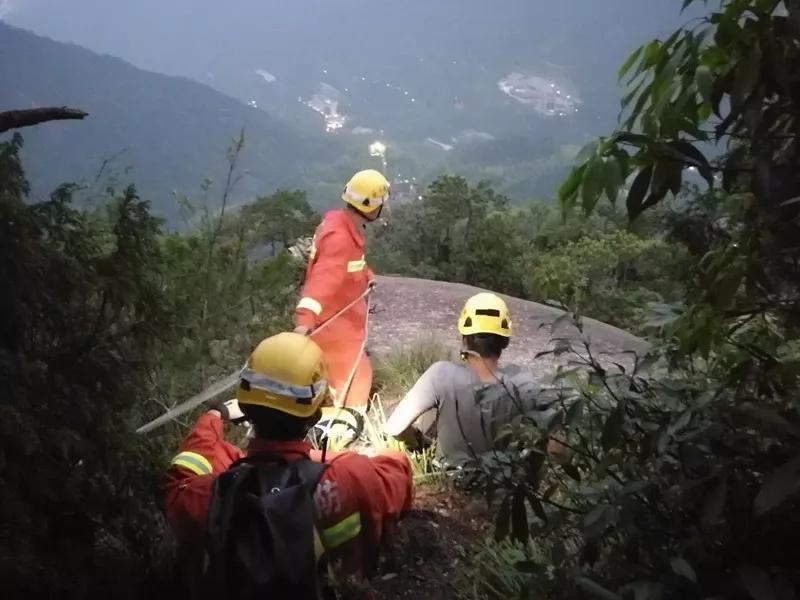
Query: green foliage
(674, 484)
(226, 296)
(450, 234)
(279, 219)
(108, 320)
(489, 575)
(681, 475)
(613, 277)
(83, 305)
(591, 263)
(732, 73)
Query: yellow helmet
(485, 313)
(286, 372)
(367, 191)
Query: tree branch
(14, 119)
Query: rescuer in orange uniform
(357, 499)
(337, 275)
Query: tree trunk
(14, 119)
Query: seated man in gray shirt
(471, 400)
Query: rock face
(407, 310)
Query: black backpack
(260, 540)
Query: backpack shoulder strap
(310, 473)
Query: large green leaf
(635, 139)
(694, 157)
(705, 84)
(667, 177)
(572, 471)
(592, 186)
(748, 75)
(503, 520)
(526, 566)
(588, 151)
(781, 485)
(647, 590)
(757, 583)
(683, 568)
(637, 192)
(612, 178)
(596, 589)
(612, 430)
(569, 189)
(630, 61)
(537, 507)
(637, 111)
(595, 515)
(725, 287)
(519, 517)
(715, 505)
(575, 412)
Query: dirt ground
(431, 545)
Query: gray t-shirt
(470, 412)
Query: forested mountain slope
(164, 133)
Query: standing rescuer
(337, 275)
(258, 525)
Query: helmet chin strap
(377, 215)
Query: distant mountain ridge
(164, 133)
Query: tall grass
(399, 370)
(395, 374)
(492, 573)
(423, 463)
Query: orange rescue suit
(337, 274)
(358, 500)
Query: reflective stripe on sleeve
(344, 531)
(356, 265)
(196, 463)
(310, 304)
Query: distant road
(408, 309)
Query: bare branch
(14, 119)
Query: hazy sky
(417, 68)
(175, 36)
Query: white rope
(232, 380)
(338, 314)
(342, 394)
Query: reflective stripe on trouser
(340, 359)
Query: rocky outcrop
(406, 310)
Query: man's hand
(302, 330)
(414, 439)
(228, 410)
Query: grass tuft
(399, 370)
(491, 572)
